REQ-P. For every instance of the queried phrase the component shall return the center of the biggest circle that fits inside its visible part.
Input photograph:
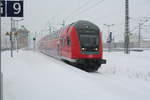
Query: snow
(134, 65)
(31, 75)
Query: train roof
(82, 24)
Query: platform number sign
(12, 8)
(2, 5)
(15, 9)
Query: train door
(59, 47)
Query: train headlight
(96, 49)
(83, 49)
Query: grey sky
(39, 13)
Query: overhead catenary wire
(92, 6)
(74, 11)
(78, 9)
(136, 27)
(85, 9)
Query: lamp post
(34, 39)
(108, 26)
(109, 35)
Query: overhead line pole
(11, 39)
(1, 74)
(146, 20)
(126, 35)
(108, 27)
(139, 37)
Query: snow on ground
(34, 76)
(134, 65)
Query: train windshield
(89, 41)
(88, 37)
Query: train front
(90, 46)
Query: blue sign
(11, 8)
(14, 8)
(2, 5)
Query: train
(79, 44)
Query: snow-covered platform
(34, 76)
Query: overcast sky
(38, 14)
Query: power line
(87, 9)
(79, 8)
(73, 12)
(136, 27)
(82, 9)
(92, 6)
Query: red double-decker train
(79, 43)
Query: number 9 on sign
(14, 8)
(17, 8)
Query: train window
(68, 41)
(63, 42)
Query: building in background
(22, 37)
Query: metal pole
(108, 29)
(126, 39)
(16, 44)
(1, 75)
(34, 39)
(139, 39)
(11, 40)
(109, 43)
(16, 36)
(63, 24)
(34, 44)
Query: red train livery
(79, 43)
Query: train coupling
(103, 61)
